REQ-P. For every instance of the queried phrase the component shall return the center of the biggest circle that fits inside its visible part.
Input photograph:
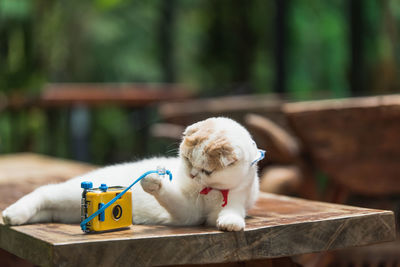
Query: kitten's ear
(190, 139)
(229, 159)
(190, 130)
(223, 152)
(203, 127)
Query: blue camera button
(103, 187)
(86, 185)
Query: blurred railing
(70, 120)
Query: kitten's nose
(193, 173)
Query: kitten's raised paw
(15, 215)
(230, 222)
(151, 184)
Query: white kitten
(214, 182)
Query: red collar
(224, 193)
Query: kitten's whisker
(172, 148)
(172, 151)
(176, 144)
(173, 145)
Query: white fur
(159, 201)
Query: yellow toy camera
(117, 215)
(107, 208)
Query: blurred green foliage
(218, 47)
(320, 53)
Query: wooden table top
(277, 226)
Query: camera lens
(117, 212)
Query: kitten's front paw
(230, 222)
(15, 215)
(151, 184)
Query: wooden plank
(277, 227)
(133, 95)
(355, 141)
(94, 94)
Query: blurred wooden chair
(355, 143)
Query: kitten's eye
(188, 162)
(207, 172)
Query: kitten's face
(217, 152)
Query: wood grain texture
(277, 227)
(355, 141)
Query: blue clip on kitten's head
(218, 152)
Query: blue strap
(262, 155)
(88, 219)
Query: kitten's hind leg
(54, 215)
(60, 202)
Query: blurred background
(106, 81)
(300, 50)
